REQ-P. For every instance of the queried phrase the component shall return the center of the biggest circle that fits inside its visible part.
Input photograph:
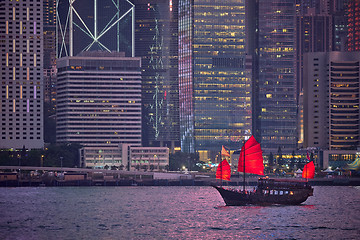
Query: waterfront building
(99, 100)
(100, 157)
(214, 81)
(277, 79)
(21, 72)
(331, 105)
(156, 42)
(95, 25)
(148, 158)
(338, 158)
(125, 157)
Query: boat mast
(221, 180)
(244, 167)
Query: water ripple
(171, 213)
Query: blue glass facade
(215, 85)
(186, 104)
(277, 80)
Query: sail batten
(223, 171)
(253, 159)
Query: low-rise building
(149, 158)
(125, 157)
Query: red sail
(254, 162)
(309, 170)
(223, 171)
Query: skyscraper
(156, 42)
(314, 33)
(214, 82)
(99, 100)
(331, 110)
(104, 25)
(21, 74)
(277, 79)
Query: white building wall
(99, 100)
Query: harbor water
(171, 213)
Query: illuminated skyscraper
(94, 25)
(277, 79)
(156, 43)
(215, 85)
(21, 72)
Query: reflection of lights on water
(308, 206)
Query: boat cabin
(282, 184)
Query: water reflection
(171, 213)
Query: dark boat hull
(236, 198)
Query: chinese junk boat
(268, 191)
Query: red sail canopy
(309, 170)
(254, 162)
(223, 171)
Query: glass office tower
(277, 81)
(156, 42)
(215, 84)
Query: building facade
(277, 78)
(214, 82)
(316, 101)
(49, 51)
(125, 157)
(99, 100)
(149, 158)
(314, 33)
(332, 115)
(156, 42)
(21, 74)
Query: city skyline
(213, 73)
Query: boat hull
(236, 198)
